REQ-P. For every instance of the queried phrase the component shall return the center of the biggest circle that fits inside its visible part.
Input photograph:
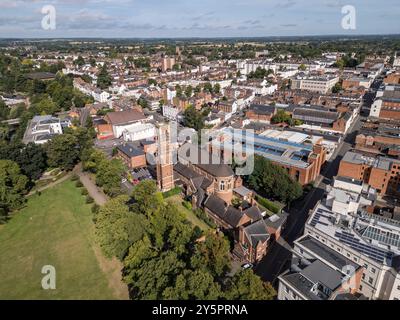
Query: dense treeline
(161, 253)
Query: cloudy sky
(196, 18)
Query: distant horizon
(205, 38)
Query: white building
(100, 96)
(140, 131)
(42, 128)
(170, 112)
(372, 242)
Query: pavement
(279, 255)
(97, 194)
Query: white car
(247, 266)
(123, 180)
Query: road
(279, 255)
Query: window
(370, 280)
(373, 270)
(222, 186)
(363, 276)
(398, 288)
(361, 288)
(365, 266)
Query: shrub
(84, 192)
(74, 177)
(172, 192)
(79, 184)
(187, 205)
(89, 199)
(268, 204)
(204, 217)
(95, 208)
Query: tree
(117, 228)
(79, 61)
(62, 151)
(189, 285)
(147, 199)
(217, 88)
(155, 275)
(282, 117)
(337, 88)
(246, 285)
(109, 173)
(32, 160)
(104, 80)
(193, 118)
(272, 180)
(4, 110)
(212, 255)
(91, 159)
(188, 91)
(13, 187)
(302, 67)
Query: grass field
(177, 201)
(56, 229)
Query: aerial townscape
(202, 168)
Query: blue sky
(196, 18)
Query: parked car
(247, 266)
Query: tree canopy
(271, 180)
(161, 255)
(13, 187)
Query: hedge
(268, 204)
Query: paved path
(98, 196)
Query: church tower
(165, 170)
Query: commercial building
(260, 113)
(302, 160)
(119, 122)
(321, 84)
(363, 245)
(380, 172)
(41, 129)
(132, 156)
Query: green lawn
(177, 200)
(55, 229)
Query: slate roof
(230, 214)
(257, 232)
(130, 150)
(262, 109)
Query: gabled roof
(257, 232)
(230, 214)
